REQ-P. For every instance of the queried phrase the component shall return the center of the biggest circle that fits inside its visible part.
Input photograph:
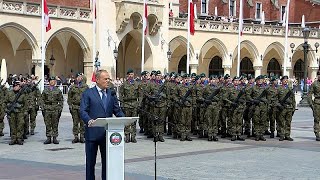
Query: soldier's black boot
(318, 138)
(82, 139)
(32, 132)
(281, 138)
(75, 140)
(48, 141)
(257, 138)
(20, 142)
(288, 138)
(262, 138)
(234, 138)
(209, 138)
(188, 138)
(1, 134)
(160, 138)
(55, 141)
(127, 138)
(12, 142)
(25, 136)
(133, 139)
(183, 137)
(272, 135)
(214, 138)
(240, 138)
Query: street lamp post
(306, 33)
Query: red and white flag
(191, 17)
(93, 78)
(46, 16)
(145, 18)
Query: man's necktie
(104, 99)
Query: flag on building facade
(46, 16)
(191, 17)
(145, 18)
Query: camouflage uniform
(143, 118)
(272, 96)
(199, 90)
(248, 112)
(129, 95)
(286, 112)
(170, 111)
(16, 117)
(212, 109)
(51, 105)
(315, 105)
(225, 121)
(260, 111)
(184, 123)
(33, 106)
(74, 98)
(3, 94)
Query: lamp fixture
(52, 59)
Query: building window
(274, 68)
(298, 70)
(246, 66)
(215, 66)
(182, 67)
(232, 8)
(282, 11)
(204, 6)
(258, 10)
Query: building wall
(272, 13)
(69, 3)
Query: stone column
(193, 68)
(227, 69)
(313, 73)
(88, 66)
(257, 70)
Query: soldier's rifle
(209, 99)
(257, 100)
(283, 102)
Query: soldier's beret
(78, 74)
(52, 78)
(250, 76)
(273, 78)
(284, 77)
(158, 72)
(130, 71)
(213, 77)
(226, 76)
(202, 75)
(258, 77)
(220, 76)
(236, 78)
(244, 76)
(318, 73)
(193, 75)
(153, 72)
(185, 75)
(15, 83)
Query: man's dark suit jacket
(91, 107)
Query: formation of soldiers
(237, 107)
(22, 101)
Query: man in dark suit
(97, 102)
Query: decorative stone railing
(26, 8)
(228, 27)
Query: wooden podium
(115, 144)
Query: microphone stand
(156, 119)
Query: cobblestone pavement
(196, 160)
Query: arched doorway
(274, 68)
(215, 66)
(298, 70)
(130, 54)
(182, 67)
(246, 66)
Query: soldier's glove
(255, 101)
(233, 104)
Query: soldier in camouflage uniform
(199, 90)
(272, 96)
(33, 97)
(170, 89)
(15, 112)
(143, 102)
(159, 106)
(185, 102)
(129, 95)
(287, 106)
(212, 96)
(248, 112)
(51, 106)
(315, 105)
(237, 100)
(74, 99)
(3, 94)
(259, 97)
(176, 108)
(224, 113)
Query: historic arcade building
(213, 48)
